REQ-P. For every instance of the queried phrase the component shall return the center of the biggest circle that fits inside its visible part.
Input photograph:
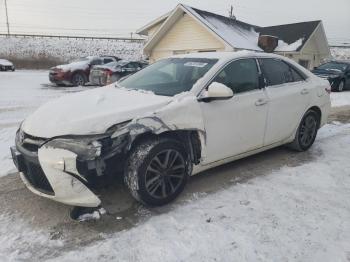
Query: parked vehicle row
(105, 70)
(77, 72)
(6, 65)
(173, 119)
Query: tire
(157, 170)
(78, 79)
(341, 86)
(307, 132)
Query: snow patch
(284, 47)
(340, 99)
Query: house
(187, 29)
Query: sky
(119, 18)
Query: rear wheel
(78, 79)
(157, 171)
(307, 131)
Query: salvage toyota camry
(173, 119)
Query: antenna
(7, 19)
(231, 14)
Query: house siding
(186, 36)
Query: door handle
(304, 92)
(261, 102)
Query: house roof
(291, 33)
(241, 35)
(236, 33)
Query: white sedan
(173, 119)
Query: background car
(112, 72)
(77, 72)
(337, 73)
(6, 65)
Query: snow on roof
(284, 47)
(236, 33)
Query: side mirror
(217, 91)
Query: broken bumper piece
(52, 173)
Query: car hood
(5, 62)
(90, 112)
(327, 73)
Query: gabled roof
(235, 33)
(144, 29)
(291, 33)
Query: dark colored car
(77, 72)
(337, 73)
(112, 72)
(6, 65)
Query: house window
(205, 51)
(304, 63)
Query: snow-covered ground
(340, 99)
(67, 49)
(293, 213)
(342, 53)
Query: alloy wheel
(308, 131)
(165, 173)
(79, 80)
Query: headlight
(87, 148)
(90, 147)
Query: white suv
(173, 119)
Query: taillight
(109, 76)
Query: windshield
(333, 66)
(169, 77)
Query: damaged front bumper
(53, 174)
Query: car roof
(228, 55)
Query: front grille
(36, 177)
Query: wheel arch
(318, 111)
(79, 71)
(190, 139)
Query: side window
(107, 60)
(276, 72)
(96, 62)
(241, 76)
(296, 75)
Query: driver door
(236, 125)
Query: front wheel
(157, 171)
(307, 131)
(78, 79)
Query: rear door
(288, 95)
